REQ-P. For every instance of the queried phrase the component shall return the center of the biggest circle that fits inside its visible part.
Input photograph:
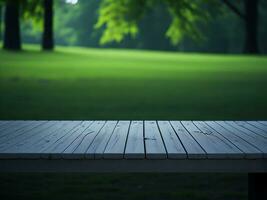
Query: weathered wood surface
(134, 140)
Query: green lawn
(77, 83)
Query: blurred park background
(143, 59)
(132, 59)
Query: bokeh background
(136, 60)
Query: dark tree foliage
(12, 40)
(48, 39)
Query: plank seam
(238, 135)
(75, 126)
(249, 130)
(179, 139)
(109, 138)
(225, 137)
(78, 136)
(256, 127)
(126, 139)
(167, 153)
(194, 138)
(144, 138)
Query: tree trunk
(48, 41)
(251, 26)
(12, 39)
(1, 23)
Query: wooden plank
(263, 123)
(232, 150)
(250, 151)
(56, 150)
(82, 147)
(260, 126)
(252, 128)
(3, 122)
(68, 152)
(154, 145)
(11, 128)
(175, 149)
(135, 146)
(23, 145)
(215, 147)
(193, 149)
(254, 139)
(35, 150)
(116, 144)
(78, 148)
(98, 145)
(6, 124)
(14, 138)
(135, 140)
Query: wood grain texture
(154, 145)
(116, 144)
(252, 128)
(133, 140)
(215, 146)
(174, 147)
(98, 145)
(192, 147)
(254, 139)
(250, 151)
(135, 147)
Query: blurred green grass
(79, 83)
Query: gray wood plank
(250, 151)
(55, 151)
(215, 147)
(98, 145)
(232, 150)
(133, 140)
(36, 149)
(193, 149)
(2, 122)
(77, 149)
(252, 128)
(11, 128)
(16, 136)
(263, 123)
(254, 139)
(259, 126)
(116, 144)
(80, 151)
(6, 124)
(135, 147)
(23, 145)
(175, 149)
(154, 145)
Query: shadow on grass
(123, 186)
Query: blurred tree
(48, 39)
(12, 40)
(1, 13)
(14, 9)
(121, 17)
(250, 17)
